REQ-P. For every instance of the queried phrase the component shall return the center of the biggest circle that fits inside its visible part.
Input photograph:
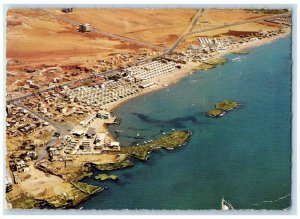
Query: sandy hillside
(32, 36)
(156, 26)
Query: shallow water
(243, 156)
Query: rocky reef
(222, 107)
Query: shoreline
(190, 68)
(163, 82)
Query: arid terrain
(63, 83)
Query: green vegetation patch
(25, 202)
(227, 105)
(60, 201)
(215, 113)
(204, 66)
(169, 141)
(241, 52)
(87, 188)
(72, 198)
(114, 166)
(222, 107)
(84, 175)
(103, 177)
(211, 64)
(217, 61)
(80, 192)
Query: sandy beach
(57, 126)
(173, 77)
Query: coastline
(190, 68)
(160, 83)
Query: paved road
(174, 46)
(62, 129)
(239, 23)
(59, 128)
(185, 33)
(102, 32)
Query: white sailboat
(225, 206)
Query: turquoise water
(243, 156)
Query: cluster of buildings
(281, 20)
(151, 69)
(85, 139)
(120, 86)
(19, 164)
(98, 96)
(55, 106)
(122, 59)
(8, 182)
(20, 122)
(209, 45)
(29, 85)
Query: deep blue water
(243, 156)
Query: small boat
(138, 136)
(81, 208)
(170, 148)
(163, 133)
(225, 206)
(173, 130)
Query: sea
(243, 157)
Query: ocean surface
(243, 156)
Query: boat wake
(272, 201)
(237, 59)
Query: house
(8, 182)
(112, 146)
(67, 10)
(21, 166)
(90, 132)
(146, 84)
(85, 28)
(85, 145)
(103, 114)
(59, 144)
(99, 140)
(77, 132)
(32, 155)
